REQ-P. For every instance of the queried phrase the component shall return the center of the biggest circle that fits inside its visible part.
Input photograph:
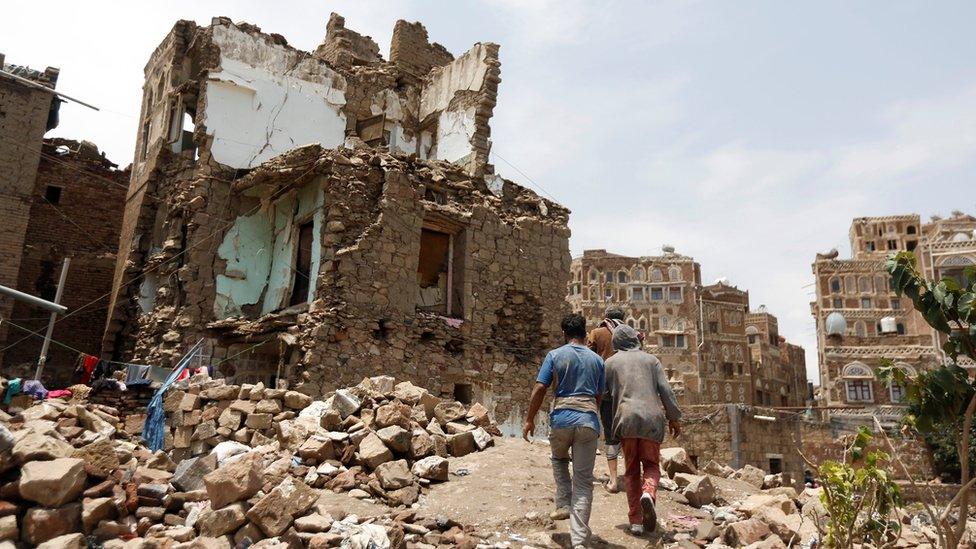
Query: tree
(944, 397)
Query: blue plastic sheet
(153, 430)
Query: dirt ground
(509, 490)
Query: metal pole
(35, 301)
(33, 84)
(50, 324)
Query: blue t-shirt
(579, 372)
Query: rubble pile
(247, 464)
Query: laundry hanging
(153, 428)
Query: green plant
(942, 401)
(859, 496)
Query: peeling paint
(246, 249)
(454, 133)
(464, 73)
(257, 110)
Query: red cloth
(59, 393)
(642, 472)
(88, 366)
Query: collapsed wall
(386, 245)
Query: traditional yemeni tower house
(712, 348)
(318, 217)
(861, 321)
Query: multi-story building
(700, 333)
(27, 112)
(317, 217)
(778, 366)
(59, 199)
(861, 321)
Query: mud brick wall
(733, 435)
(84, 226)
(23, 119)
(822, 441)
(412, 52)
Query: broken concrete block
(394, 475)
(235, 481)
(432, 468)
(317, 448)
(676, 460)
(372, 451)
(296, 400)
(190, 472)
(275, 512)
(219, 522)
(745, 532)
(41, 524)
(449, 411)
(461, 444)
(396, 438)
(53, 483)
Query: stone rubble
(241, 464)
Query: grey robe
(641, 395)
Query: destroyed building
(861, 321)
(60, 199)
(317, 217)
(705, 336)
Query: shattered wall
(26, 113)
(307, 267)
(75, 212)
(738, 435)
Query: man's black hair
(574, 326)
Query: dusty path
(509, 491)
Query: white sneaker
(636, 530)
(648, 512)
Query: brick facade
(75, 212)
(26, 113)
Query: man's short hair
(614, 313)
(574, 325)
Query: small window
(752, 338)
(52, 194)
(593, 275)
(637, 294)
(674, 273)
(892, 244)
(440, 268)
(642, 324)
(911, 245)
(896, 303)
(871, 246)
(835, 285)
(630, 322)
(865, 302)
(656, 275)
(900, 328)
(665, 322)
(838, 303)
(775, 465)
(657, 294)
(463, 393)
(910, 229)
(674, 294)
(608, 294)
(622, 277)
(713, 327)
(864, 284)
(679, 340)
(727, 369)
(897, 392)
(738, 368)
(859, 390)
(303, 265)
(608, 276)
(860, 329)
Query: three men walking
(640, 399)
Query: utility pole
(50, 323)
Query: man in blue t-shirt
(577, 377)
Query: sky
(746, 134)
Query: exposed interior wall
(267, 99)
(259, 253)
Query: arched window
(900, 328)
(630, 322)
(642, 323)
(860, 330)
(896, 391)
(835, 285)
(726, 353)
(858, 381)
(594, 292)
(910, 229)
(678, 324)
(594, 274)
(656, 275)
(738, 354)
(608, 294)
(674, 273)
(622, 277)
(849, 286)
(864, 284)
(638, 273)
(665, 322)
(609, 276)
